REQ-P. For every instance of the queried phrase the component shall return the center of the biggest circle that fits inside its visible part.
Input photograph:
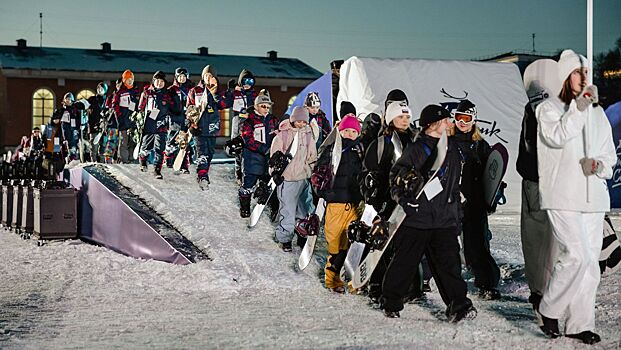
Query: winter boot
(549, 326)
(158, 173)
(586, 337)
(244, 206)
(286, 247)
(392, 314)
(458, 312)
(143, 164)
(203, 182)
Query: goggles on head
(248, 81)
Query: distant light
(611, 74)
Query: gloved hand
(232, 83)
(195, 131)
(587, 97)
(591, 166)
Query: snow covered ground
(73, 295)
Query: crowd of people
(383, 163)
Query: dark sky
(316, 31)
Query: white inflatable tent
(495, 88)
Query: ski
(309, 246)
(258, 208)
(366, 267)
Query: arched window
(84, 94)
(42, 106)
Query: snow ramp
(112, 216)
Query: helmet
(180, 71)
(69, 96)
(159, 75)
(312, 100)
(466, 107)
(102, 88)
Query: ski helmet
(180, 71)
(466, 107)
(395, 95)
(102, 88)
(69, 96)
(312, 100)
(159, 75)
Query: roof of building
(90, 60)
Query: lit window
(225, 122)
(42, 106)
(84, 94)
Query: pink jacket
(301, 165)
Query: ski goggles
(265, 106)
(248, 81)
(464, 118)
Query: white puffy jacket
(561, 145)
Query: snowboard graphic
(494, 171)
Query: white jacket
(561, 145)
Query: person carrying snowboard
(204, 124)
(71, 118)
(343, 197)
(576, 154)
(319, 123)
(157, 104)
(96, 111)
(180, 88)
(293, 185)
(474, 222)
(257, 132)
(379, 158)
(430, 225)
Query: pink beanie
(349, 121)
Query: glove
(232, 83)
(591, 166)
(588, 97)
(195, 131)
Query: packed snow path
(72, 295)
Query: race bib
(154, 113)
(132, 106)
(433, 188)
(238, 104)
(56, 144)
(66, 117)
(197, 99)
(125, 100)
(259, 134)
(73, 123)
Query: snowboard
(365, 269)
(356, 249)
(184, 143)
(610, 256)
(494, 171)
(309, 246)
(258, 208)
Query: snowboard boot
(338, 290)
(426, 286)
(467, 313)
(244, 206)
(392, 314)
(286, 247)
(158, 173)
(143, 164)
(203, 182)
(301, 241)
(185, 171)
(549, 326)
(586, 337)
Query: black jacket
(382, 164)
(475, 154)
(345, 187)
(443, 210)
(527, 155)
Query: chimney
(106, 47)
(203, 51)
(272, 55)
(21, 43)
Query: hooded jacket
(209, 124)
(257, 132)
(164, 102)
(561, 146)
(124, 103)
(300, 167)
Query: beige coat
(301, 165)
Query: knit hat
(431, 114)
(346, 108)
(159, 75)
(395, 95)
(127, 74)
(299, 114)
(396, 109)
(349, 122)
(466, 107)
(261, 99)
(312, 100)
(208, 69)
(568, 62)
